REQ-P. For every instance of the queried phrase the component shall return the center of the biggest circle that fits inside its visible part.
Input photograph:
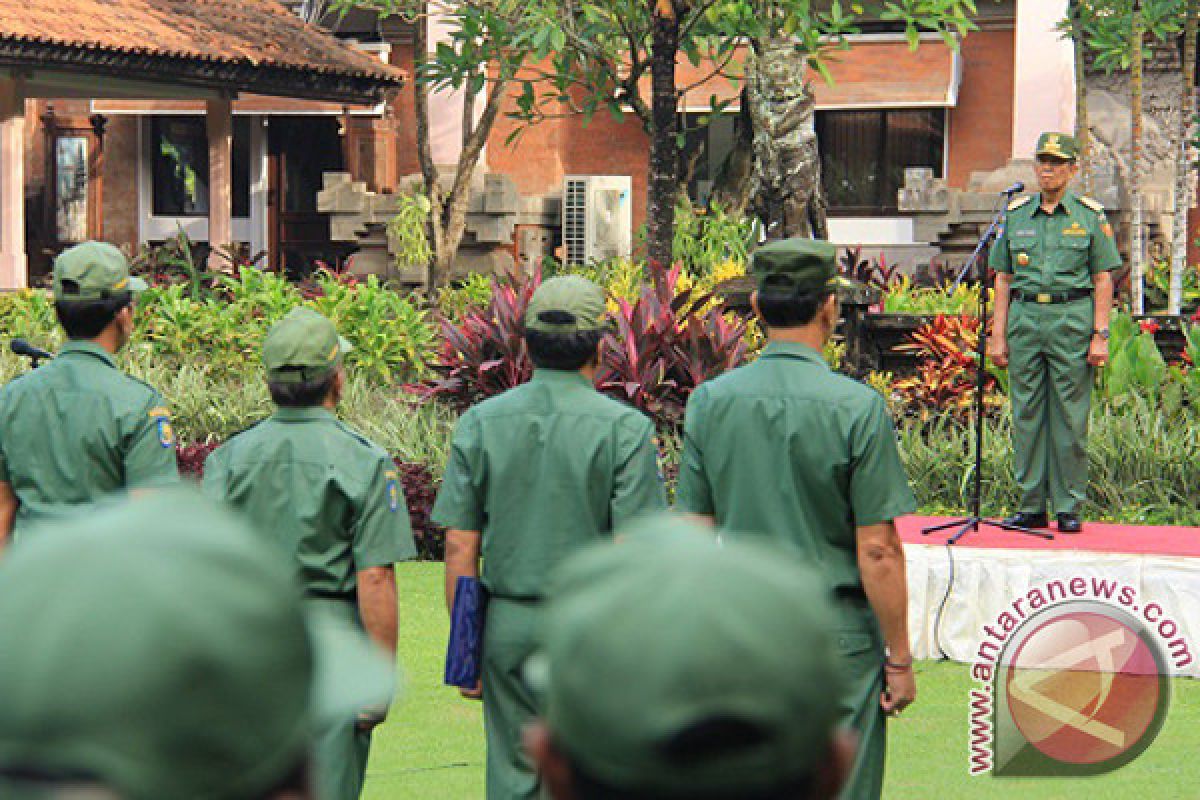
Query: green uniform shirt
(1055, 252)
(543, 469)
(321, 490)
(78, 429)
(788, 448)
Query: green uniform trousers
(1050, 383)
(340, 756)
(861, 646)
(509, 638)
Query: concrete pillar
(1044, 82)
(14, 267)
(219, 116)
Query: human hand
(900, 689)
(997, 351)
(369, 719)
(473, 694)
(1098, 351)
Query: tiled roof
(231, 36)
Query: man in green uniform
(676, 667)
(330, 498)
(534, 474)
(1054, 291)
(159, 649)
(78, 428)
(787, 449)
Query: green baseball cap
(676, 665)
(93, 271)
(1058, 145)
(160, 649)
(303, 346)
(566, 304)
(805, 265)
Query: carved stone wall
(490, 244)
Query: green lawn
(432, 746)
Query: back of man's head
(674, 667)
(92, 285)
(564, 323)
(160, 649)
(795, 279)
(303, 356)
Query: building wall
(120, 182)
(980, 126)
(403, 108)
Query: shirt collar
(88, 348)
(1063, 205)
(305, 414)
(560, 377)
(793, 350)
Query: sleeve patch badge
(392, 487)
(166, 432)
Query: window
(864, 155)
(710, 141)
(180, 166)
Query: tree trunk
(1183, 167)
(786, 188)
(1083, 132)
(1137, 246)
(448, 209)
(664, 150)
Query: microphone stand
(975, 520)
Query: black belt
(1045, 298)
(327, 594)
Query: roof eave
(229, 76)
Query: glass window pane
(914, 139)
(852, 158)
(180, 166)
(71, 188)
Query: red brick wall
(980, 127)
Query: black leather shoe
(1030, 520)
(1069, 523)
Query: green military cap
(303, 346)
(159, 649)
(677, 665)
(1058, 145)
(802, 264)
(93, 271)
(566, 304)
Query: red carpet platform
(980, 578)
(1098, 537)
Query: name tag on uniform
(1024, 233)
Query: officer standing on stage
(533, 475)
(332, 499)
(1054, 291)
(78, 428)
(676, 666)
(787, 449)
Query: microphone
(24, 348)
(1016, 188)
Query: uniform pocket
(1069, 258)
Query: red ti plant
(484, 353)
(666, 344)
(945, 379)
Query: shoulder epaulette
(1092, 204)
(349, 429)
(1020, 201)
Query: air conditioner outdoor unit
(597, 217)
